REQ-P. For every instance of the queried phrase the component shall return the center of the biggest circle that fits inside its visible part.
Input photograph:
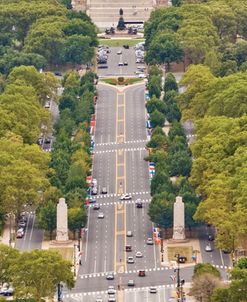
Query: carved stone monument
(62, 221)
(121, 24)
(178, 219)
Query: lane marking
(88, 217)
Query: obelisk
(62, 221)
(178, 219)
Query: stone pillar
(178, 219)
(62, 220)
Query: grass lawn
(66, 252)
(186, 251)
(127, 81)
(120, 42)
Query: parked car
(208, 248)
(20, 233)
(150, 241)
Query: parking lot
(120, 61)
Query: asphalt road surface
(128, 55)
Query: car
(153, 290)
(129, 234)
(94, 191)
(182, 259)
(119, 52)
(138, 255)
(94, 182)
(211, 237)
(141, 273)
(126, 46)
(138, 203)
(208, 248)
(58, 73)
(111, 298)
(101, 215)
(227, 251)
(125, 197)
(99, 299)
(96, 206)
(22, 224)
(130, 260)
(141, 76)
(92, 200)
(131, 283)
(110, 276)
(47, 104)
(6, 291)
(150, 241)
(111, 290)
(120, 64)
(128, 248)
(104, 190)
(20, 233)
(125, 63)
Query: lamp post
(180, 282)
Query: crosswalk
(122, 202)
(115, 150)
(124, 143)
(104, 274)
(118, 195)
(104, 292)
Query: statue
(121, 23)
(178, 219)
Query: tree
(7, 256)
(203, 287)
(164, 48)
(154, 86)
(155, 103)
(205, 268)
(36, 274)
(161, 183)
(157, 118)
(47, 217)
(170, 83)
(161, 210)
(77, 218)
(78, 49)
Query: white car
(101, 215)
(138, 255)
(130, 260)
(120, 64)
(141, 76)
(119, 52)
(150, 241)
(208, 248)
(125, 197)
(99, 299)
(111, 290)
(153, 290)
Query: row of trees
(41, 33)
(34, 274)
(207, 285)
(70, 159)
(218, 107)
(200, 31)
(169, 152)
(23, 165)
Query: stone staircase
(105, 13)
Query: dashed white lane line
(124, 143)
